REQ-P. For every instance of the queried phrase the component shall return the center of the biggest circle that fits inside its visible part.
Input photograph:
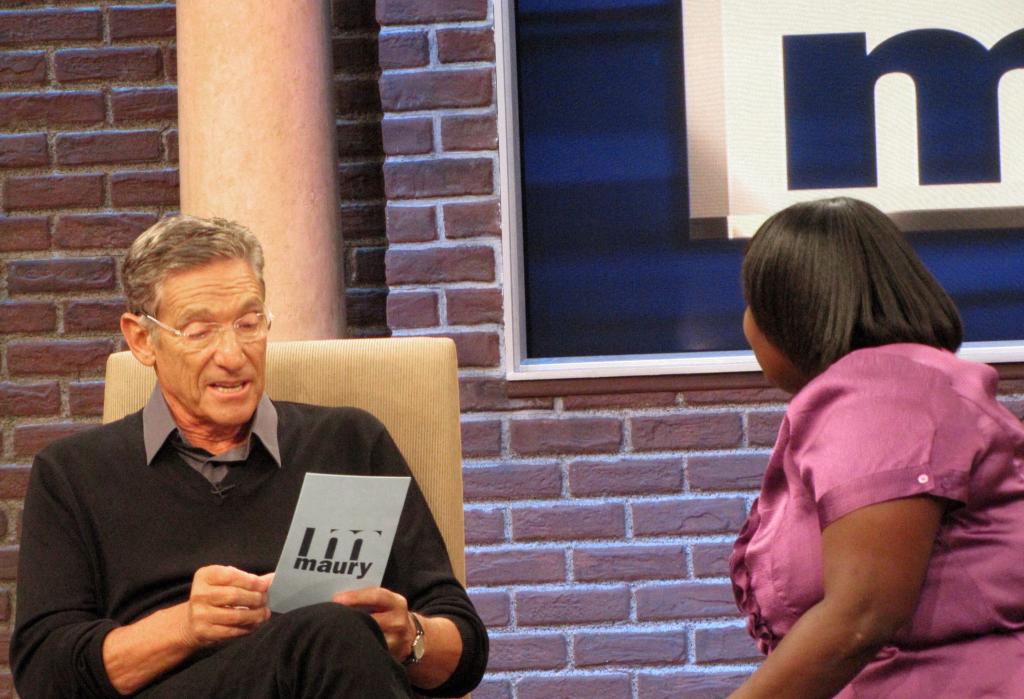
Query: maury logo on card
(340, 538)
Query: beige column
(256, 144)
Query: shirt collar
(158, 424)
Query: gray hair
(182, 242)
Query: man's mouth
(229, 387)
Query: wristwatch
(416, 654)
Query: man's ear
(139, 338)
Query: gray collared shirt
(158, 427)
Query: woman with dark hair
(885, 554)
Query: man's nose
(228, 350)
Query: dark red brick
(365, 307)
(22, 67)
(354, 54)
(510, 566)
(170, 55)
(24, 233)
(411, 224)
(691, 685)
(528, 651)
(409, 136)
(51, 108)
(494, 608)
(483, 393)
(473, 306)
(23, 150)
(27, 317)
(352, 14)
(100, 147)
(5, 606)
(493, 689)
(469, 133)
(29, 439)
(732, 396)
(690, 431)
(360, 181)
(572, 522)
(365, 266)
(144, 103)
(685, 601)
(461, 45)
(42, 26)
(565, 436)
(679, 517)
(630, 648)
(428, 11)
(171, 145)
(726, 644)
(92, 316)
(634, 562)
(13, 481)
(8, 562)
(513, 481)
(412, 309)
(21, 399)
(730, 472)
(711, 560)
(4, 528)
(354, 96)
(359, 139)
(481, 438)
(86, 398)
(763, 427)
(362, 221)
(472, 219)
(64, 357)
(485, 526)
(142, 22)
(476, 349)
(61, 275)
(447, 264)
(409, 179)
(53, 191)
(576, 605)
(406, 49)
(139, 63)
(625, 477)
(118, 230)
(436, 89)
(620, 400)
(611, 685)
(152, 187)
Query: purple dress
(891, 422)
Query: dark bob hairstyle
(826, 277)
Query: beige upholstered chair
(409, 384)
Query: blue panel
(610, 267)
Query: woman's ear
(139, 338)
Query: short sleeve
(878, 428)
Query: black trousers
(317, 652)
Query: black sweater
(107, 539)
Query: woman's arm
(875, 559)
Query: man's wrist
(417, 649)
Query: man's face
(214, 389)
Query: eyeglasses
(196, 335)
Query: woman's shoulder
(901, 373)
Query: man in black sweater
(146, 543)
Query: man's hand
(224, 603)
(391, 612)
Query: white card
(340, 538)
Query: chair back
(409, 383)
